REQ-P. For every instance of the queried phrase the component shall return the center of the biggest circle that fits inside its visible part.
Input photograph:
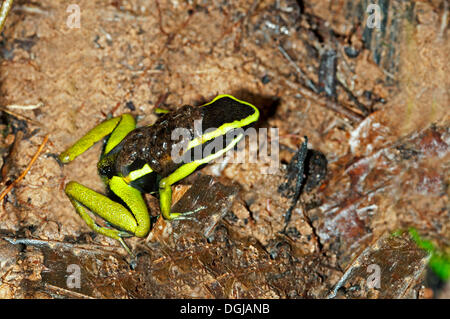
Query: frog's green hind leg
(136, 222)
(118, 127)
(113, 233)
(165, 190)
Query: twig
(314, 95)
(302, 74)
(6, 167)
(88, 249)
(444, 21)
(25, 107)
(20, 117)
(66, 292)
(160, 20)
(323, 101)
(6, 6)
(38, 152)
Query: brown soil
(384, 132)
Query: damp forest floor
(373, 103)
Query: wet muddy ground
(373, 103)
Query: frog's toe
(124, 234)
(185, 215)
(194, 211)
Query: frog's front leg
(118, 127)
(165, 190)
(135, 221)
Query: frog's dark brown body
(153, 144)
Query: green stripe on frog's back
(224, 113)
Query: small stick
(66, 292)
(20, 117)
(36, 155)
(25, 107)
(6, 6)
(12, 153)
(302, 74)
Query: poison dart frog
(140, 160)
